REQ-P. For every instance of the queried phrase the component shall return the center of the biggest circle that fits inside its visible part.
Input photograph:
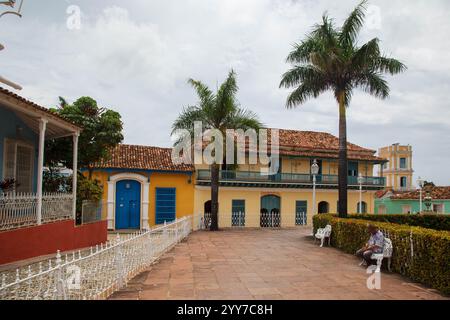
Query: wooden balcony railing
(254, 176)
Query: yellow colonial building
(251, 199)
(398, 171)
(142, 187)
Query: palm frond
(226, 98)
(353, 25)
(298, 74)
(366, 54)
(374, 84)
(244, 119)
(325, 33)
(304, 92)
(302, 51)
(389, 65)
(187, 118)
(204, 93)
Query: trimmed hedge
(430, 263)
(431, 221)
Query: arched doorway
(128, 204)
(323, 207)
(270, 211)
(363, 207)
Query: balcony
(246, 178)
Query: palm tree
(218, 111)
(331, 59)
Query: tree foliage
(102, 130)
(330, 59)
(219, 111)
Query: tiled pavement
(262, 264)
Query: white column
(42, 128)
(111, 187)
(145, 202)
(75, 174)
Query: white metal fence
(98, 272)
(91, 211)
(20, 209)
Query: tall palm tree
(219, 111)
(331, 59)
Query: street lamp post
(314, 172)
(427, 201)
(360, 182)
(420, 184)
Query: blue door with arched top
(128, 204)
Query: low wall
(25, 243)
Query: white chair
(322, 234)
(387, 253)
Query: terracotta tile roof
(35, 106)
(314, 140)
(321, 145)
(441, 193)
(126, 156)
(381, 193)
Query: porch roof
(30, 113)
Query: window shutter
(9, 160)
(24, 172)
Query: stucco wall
(183, 184)
(252, 197)
(46, 239)
(395, 206)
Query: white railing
(91, 211)
(98, 272)
(20, 209)
(56, 206)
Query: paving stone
(263, 264)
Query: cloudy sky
(135, 57)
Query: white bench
(322, 234)
(387, 253)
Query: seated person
(374, 245)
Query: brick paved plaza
(263, 264)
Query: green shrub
(431, 221)
(429, 263)
(91, 190)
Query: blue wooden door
(128, 204)
(165, 205)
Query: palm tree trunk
(343, 170)
(214, 197)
